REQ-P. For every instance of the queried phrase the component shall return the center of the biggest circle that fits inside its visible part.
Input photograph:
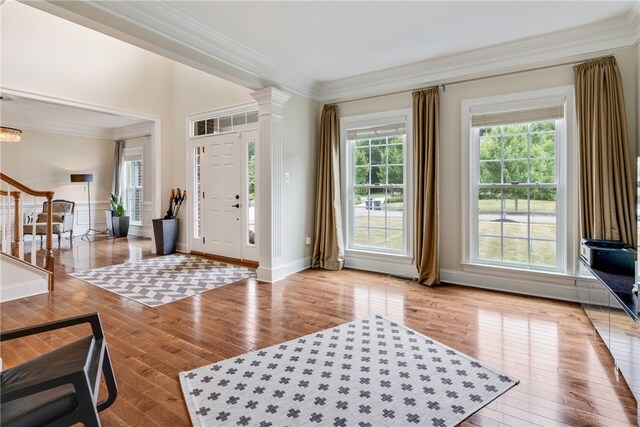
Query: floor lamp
(86, 177)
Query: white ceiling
(337, 50)
(327, 41)
(25, 113)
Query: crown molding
(56, 126)
(65, 127)
(576, 44)
(164, 29)
(132, 131)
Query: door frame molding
(192, 141)
(155, 152)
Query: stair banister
(48, 258)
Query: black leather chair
(58, 388)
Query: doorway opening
(223, 181)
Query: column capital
(270, 100)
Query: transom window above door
(231, 122)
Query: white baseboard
(140, 230)
(295, 266)
(266, 275)
(274, 274)
(561, 290)
(22, 290)
(382, 266)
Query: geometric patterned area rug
(165, 279)
(370, 372)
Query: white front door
(222, 210)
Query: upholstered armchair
(62, 216)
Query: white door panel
(222, 183)
(224, 215)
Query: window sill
(362, 254)
(395, 264)
(516, 273)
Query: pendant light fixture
(8, 134)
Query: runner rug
(165, 279)
(371, 372)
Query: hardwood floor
(567, 377)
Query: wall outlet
(308, 240)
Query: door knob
(237, 205)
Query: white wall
(299, 153)
(193, 92)
(44, 161)
(450, 139)
(47, 56)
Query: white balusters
(33, 232)
(5, 215)
(20, 218)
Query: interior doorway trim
(156, 134)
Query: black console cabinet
(612, 305)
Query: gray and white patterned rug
(165, 279)
(370, 372)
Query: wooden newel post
(48, 258)
(16, 223)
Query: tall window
(377, 185)
(517, 212)
(132, 184)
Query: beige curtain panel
(426, 137)
(607, 209)
(328, 248)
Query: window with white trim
(132, 182)
(231, 122)
(377, 184)
(517, 182)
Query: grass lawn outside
(370, 229)
(543, 252)
(514, 245)
(520, 205)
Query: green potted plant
(119, 219)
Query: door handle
(237, 205)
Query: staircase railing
(12, 202)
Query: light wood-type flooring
(567, 377)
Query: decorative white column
(269, 182)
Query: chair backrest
(60, 206)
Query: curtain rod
(455, 82)
(148, 135)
